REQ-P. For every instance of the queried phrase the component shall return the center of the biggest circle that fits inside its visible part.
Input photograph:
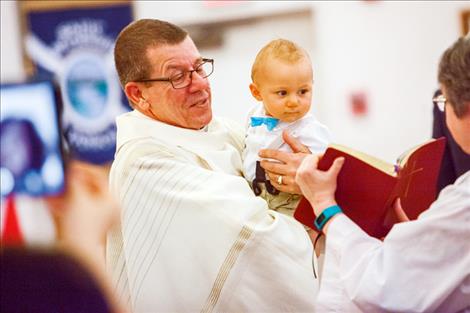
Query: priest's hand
(318, 186)
(282, 170)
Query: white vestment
(194, 238)
(421, 266)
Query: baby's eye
(303, 91)
(281, 93)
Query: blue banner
(75, 47)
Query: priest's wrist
(326, 214)
(320, 205)
(327, 225)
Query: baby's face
(286, 89)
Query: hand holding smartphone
(31, 159)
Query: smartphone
(31, 154)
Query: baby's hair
(280, 49)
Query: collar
(135, 125)
(261, 112)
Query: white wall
(390, 50)
(233, 60)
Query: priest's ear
(255, 92)
(134, 94)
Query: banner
(74, 45)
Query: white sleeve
(421, 266)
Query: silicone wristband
(326, 215)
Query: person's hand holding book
(283, 169)
(318, 186)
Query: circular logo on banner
(91, 102)
(87, 89)
(81, 57)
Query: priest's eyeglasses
(440, 101)
(184, 78)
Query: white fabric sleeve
(419, 266)
(315, 136)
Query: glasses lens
(440, 105)
(183, 79)
(180, 80)
(205, 69)
(440, 101)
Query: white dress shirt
(308, 130)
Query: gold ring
(279, 179)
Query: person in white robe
(422, 265)
(193, 236)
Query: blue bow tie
(270, 122)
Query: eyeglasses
(440, 101)
(184, 78)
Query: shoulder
(234, 129)
(223, 122)
(139, 150)
(313, 134)
(462, 184)
(455, 197)
(310, 121)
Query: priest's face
(186, 107)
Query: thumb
(336, 166)
(309, 163)
(402, 217)
(294, 143)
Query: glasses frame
(169, 79)
(440, 101)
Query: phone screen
(31, 152)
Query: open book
(367, 186)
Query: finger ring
(279, 179)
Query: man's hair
(132, 43)
(280, 49)
(454, 75)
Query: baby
(282, 79)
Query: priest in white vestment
(193, 237)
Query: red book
(367, 186)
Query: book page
(373, 161)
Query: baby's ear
(255, 92)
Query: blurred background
(375, 62)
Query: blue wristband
(326, 215)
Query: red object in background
(359, 105)
(11, 234)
